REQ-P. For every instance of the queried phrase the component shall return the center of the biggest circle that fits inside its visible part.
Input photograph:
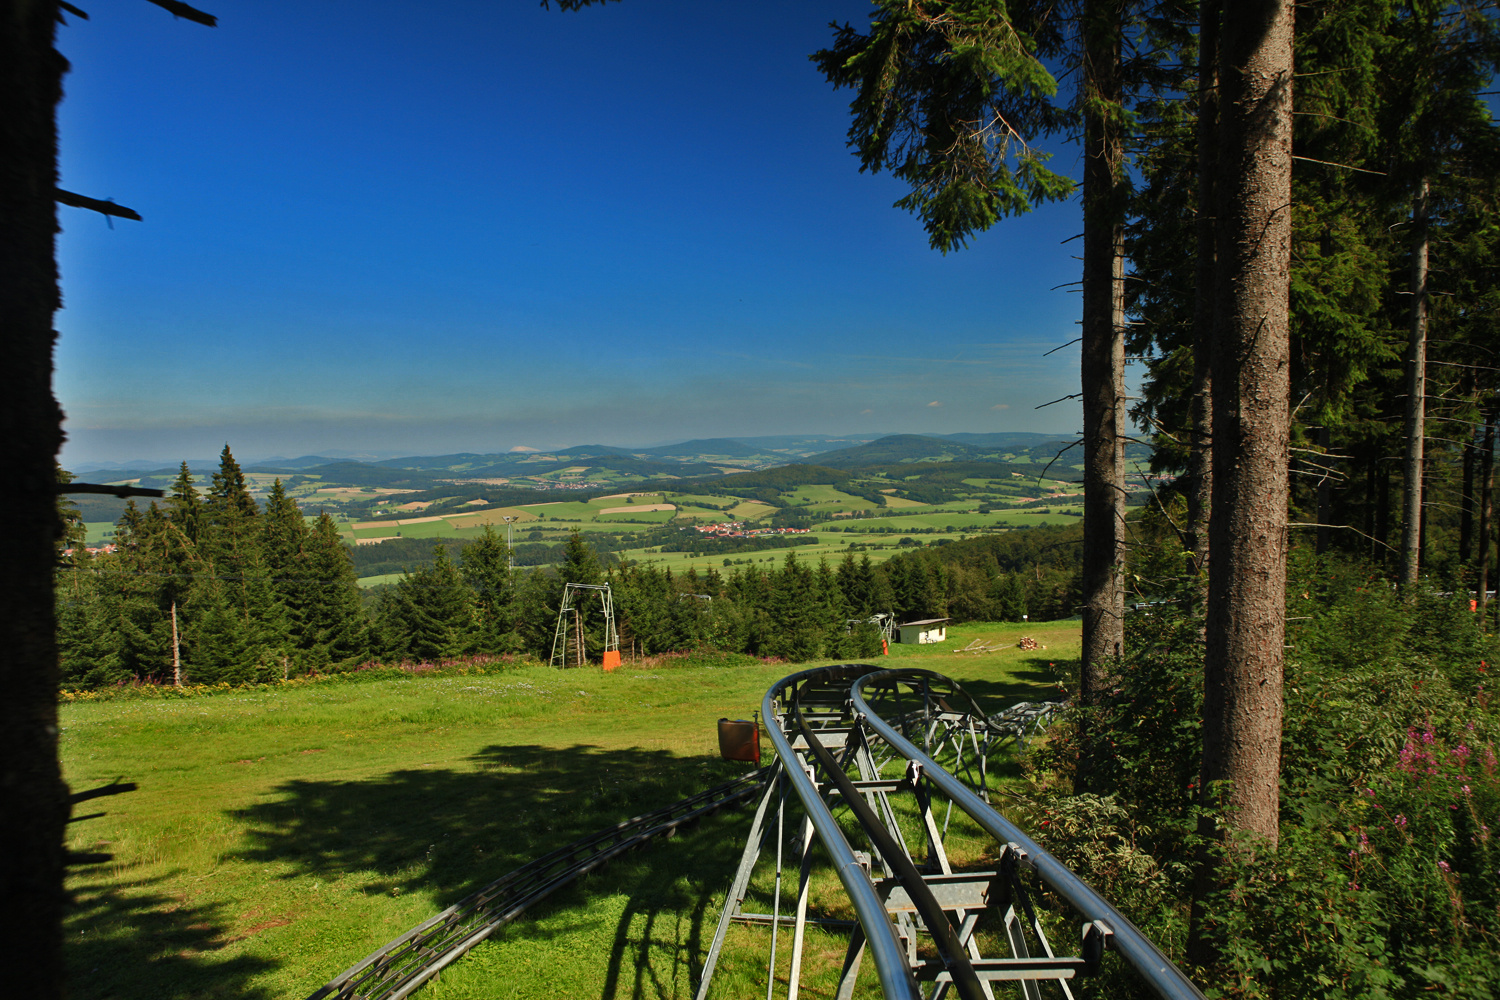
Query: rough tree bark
(1200, 456)
(1486, 502)
(1103, 352)
(33, 798)
(1247, 575)
(1416, 396)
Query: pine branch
(94, 205)
(71, 9)
(182, 10)
(118, 491)
(1341, 166)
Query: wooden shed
(925, 631)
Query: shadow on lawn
(448, 832)
(1032, 679)
(128, 940)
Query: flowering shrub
(1429, 840)
(1386, 880)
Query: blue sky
(420, 228)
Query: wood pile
(1027, 642)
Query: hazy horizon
(248, 459)
(499, 225)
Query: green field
(826, 498)
(929, 522)
(280, 835)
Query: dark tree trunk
(1247, 575)
(33, 798)
(1383, 513)
(1325, 495)
(1466, 504)
(1103, 353)
(1200, 456)
(1416, 396)
(1486, 501)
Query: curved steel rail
(873, 717)
(1158, 971)
(895, 974)
(810, 715)
(400, 966)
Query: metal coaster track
(881, 745)
(848, 737)
(397, 968)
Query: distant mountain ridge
(687, 458)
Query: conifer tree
(428, 614)
(580, 564)
(334, 632)
(186, 505)
(485, 566)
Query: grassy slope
(279, 836)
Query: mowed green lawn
(278, 836)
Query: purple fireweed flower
(1444, 866)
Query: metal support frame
(883, 620)
(839, 751)
(570, 616)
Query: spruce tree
(186, 505)
(485, 566)
(580, 564)
(428, 614)
(334, 632)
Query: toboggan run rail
(888, 749)
(402, 965)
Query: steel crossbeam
(838, 732)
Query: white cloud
(1001, 406)
(934, 403)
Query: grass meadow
(281, 834)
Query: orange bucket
(739, 739)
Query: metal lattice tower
(570, 617)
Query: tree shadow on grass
(448, 832)
(128, 939)
(1033, 679)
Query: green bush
(1386, 880)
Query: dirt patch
(255, 929)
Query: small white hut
(925, 631)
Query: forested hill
(898, 448)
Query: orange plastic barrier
(611, 659)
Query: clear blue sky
(419, 228)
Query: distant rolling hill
(727, 447)
(1009, 441)
(896, 449)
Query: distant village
(736, 529)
